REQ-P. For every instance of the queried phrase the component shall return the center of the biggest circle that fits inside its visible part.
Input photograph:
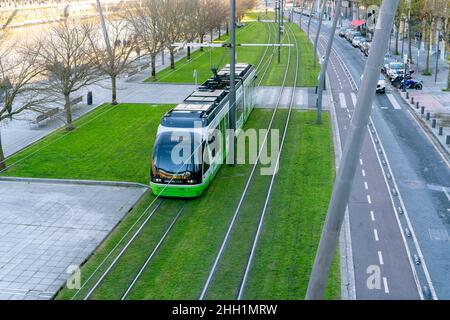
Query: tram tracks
(111, 260)
(245, 200)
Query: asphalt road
(420, 178)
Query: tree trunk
(189, 53)
(448, 85)
(172, 58)
(427, 48)
(114, 90)
(397, 30)
(212, 35)
(220, 33)
(2, 156)
(153, 66)
(227, 29)
(201, 41)
(68, 109)
(410, 42)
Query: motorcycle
(411, 84)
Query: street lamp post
(232, 101)
(348, 163)
(323, 69)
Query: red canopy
(358, 22)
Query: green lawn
(254, 32)
(291, 232)
(110, 143)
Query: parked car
(342, 31)
(387, 59)
(347, 34)
(353, 35)
(395, 69)
(356, 41)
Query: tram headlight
(158, 180)
(191, 181)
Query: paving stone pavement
(45, 228)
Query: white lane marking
(446, 193)
(385, 283)
(368, 199)
(349, 116)
(342, 100)
(380, 257)
(408, 222)
(375, 233)
(363, 172)
(372, 215)
(360, 161)
(353, 99)
(366, 186)
(393, 101)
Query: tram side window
(239, 108)
(206, 160)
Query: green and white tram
(186, 155)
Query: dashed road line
(380, 258)
(369, 200)
(353, 99)
(385, 283)
(366, 186)
(361, 161)
(363, 172)
(375, 234)
(342, 100)
(372, 215)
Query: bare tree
(146, 21)
(122, 44)
(19, 91)
(173, 20)
(68, 57)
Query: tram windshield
(174, 158)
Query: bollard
(422, 110)
(441, 131)
(89, 98)
(407, 95)
(417, 104)
(433, 123)
(412, 100)
(447, 140)
(428, 116)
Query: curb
(77, 182)
(429, 133)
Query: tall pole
(323, 69)
(310, 17)
(301, 13)
(279, 30)
(316, 39)
(232, 79)
(350, 156)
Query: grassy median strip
(287, 246)
(111, 143)
(253, 32)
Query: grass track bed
(254, 32)
(287, 246)
(109, 143)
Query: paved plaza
(47, 227)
